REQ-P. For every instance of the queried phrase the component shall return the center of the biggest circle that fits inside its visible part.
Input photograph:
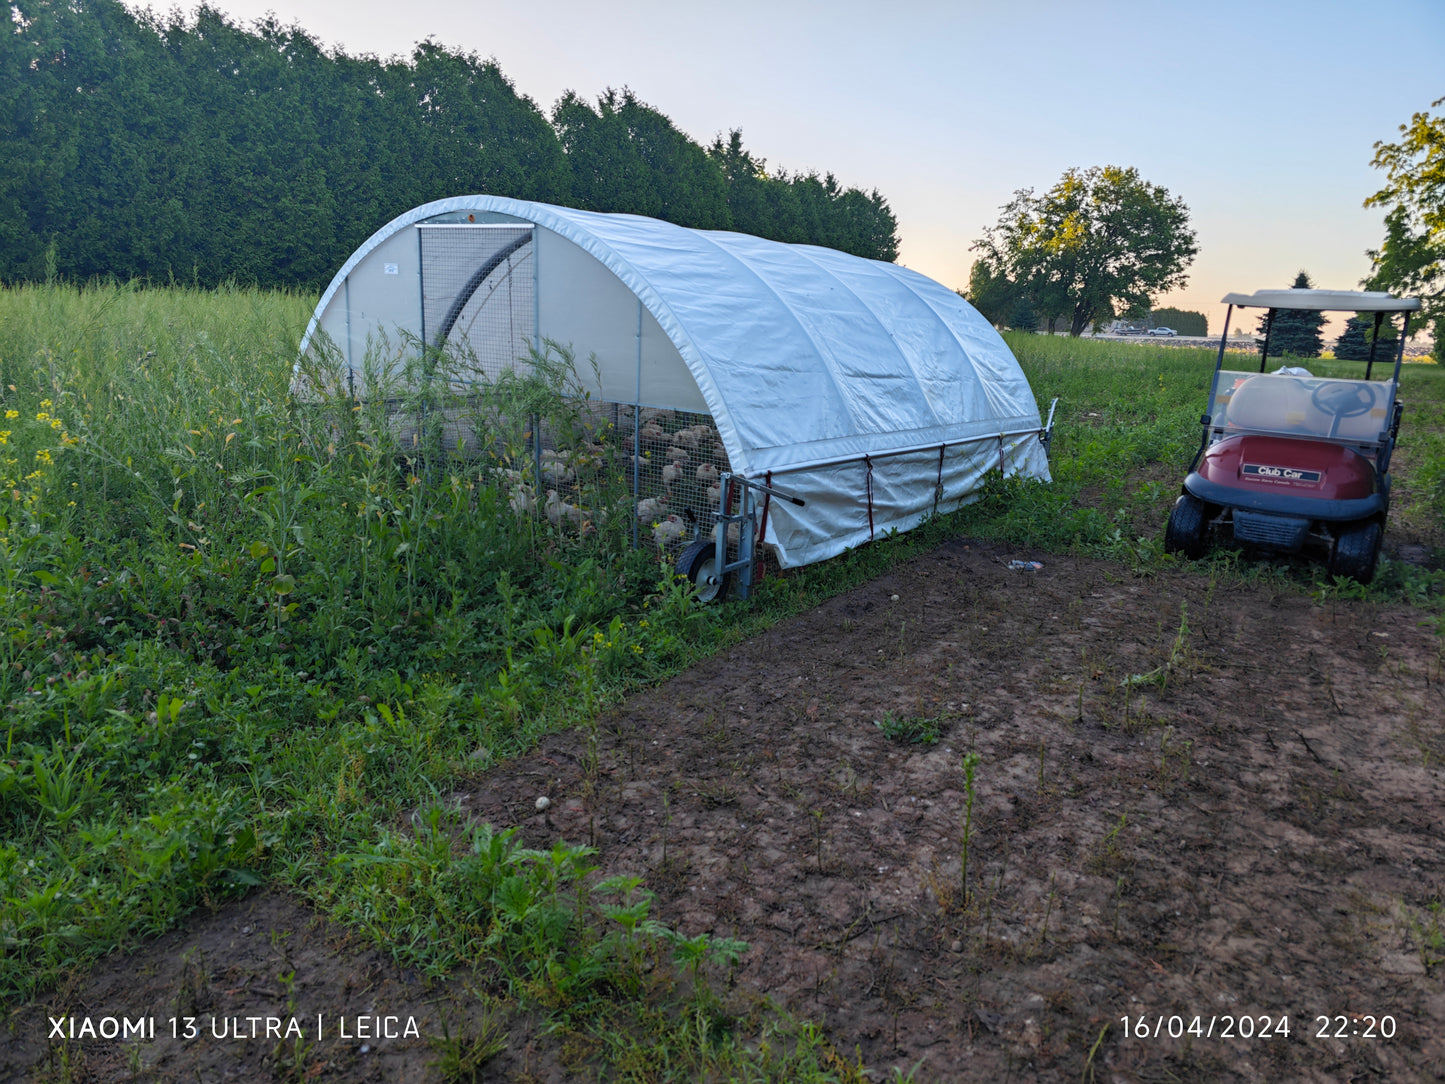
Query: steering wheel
(1342, 400)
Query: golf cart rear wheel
(1187, 528)
(700, 565)
(1356, 552)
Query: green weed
(911, 729)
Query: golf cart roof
(1324, 301)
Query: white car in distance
(1162, 331)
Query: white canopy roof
(804, 355)
(1324, 301)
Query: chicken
(559, 512)
(522, 501)
(670, 531)
(652, 509)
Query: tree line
(192, 149)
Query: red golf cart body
(1289, 460)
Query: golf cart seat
(1270, 404)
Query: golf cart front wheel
(1187, 528)
(699, 563)
(1356, 552)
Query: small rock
(543, 803)
(894, 598)
(957, 946)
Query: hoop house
(870, 391)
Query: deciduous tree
(1101, 242)
(1411, 260)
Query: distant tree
(1351, 345)
(1023, 316)
(1183, 321)
(1294, 332)
(1411, 260)
(991, 293)
(1354, 342)
(1102, 242)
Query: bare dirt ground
(1249, 833)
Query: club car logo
(1264, 473)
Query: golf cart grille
(1277, 532)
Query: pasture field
(261, 659)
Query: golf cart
(1289, 460)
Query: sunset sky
(1262, 116)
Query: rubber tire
(697, 564)
(1357, 551)
(1187, 528)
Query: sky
(1261, 115)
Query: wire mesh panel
(674, 461)
(478, 295)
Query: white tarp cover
(809, 359)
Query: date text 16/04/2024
(1340, 1026)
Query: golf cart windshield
(1355, 412)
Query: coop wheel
(699, 564)
(1187, 526)
(1356, 552)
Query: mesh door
(478, 295)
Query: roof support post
(1264, 350)
(1374, 341)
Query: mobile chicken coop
(758, 393)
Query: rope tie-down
(938, 488)
(868, 486)
(763, 521)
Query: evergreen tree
(1354, 343)
(1351, 345)
(1023, 316)
(1295, 332)
(627, 157)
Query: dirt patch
(1193, 801)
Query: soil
(1194, 800)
